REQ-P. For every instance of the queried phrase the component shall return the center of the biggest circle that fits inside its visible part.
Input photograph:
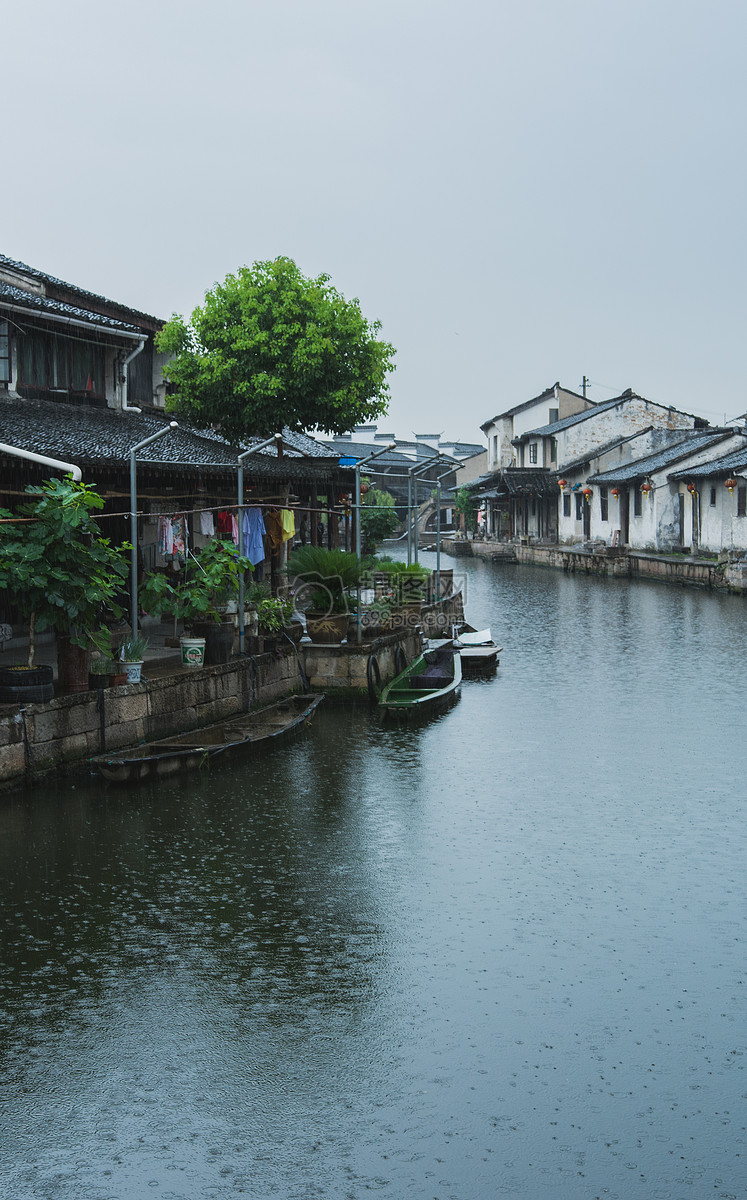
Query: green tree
(378, 517)
(270, 348)
(60, 571)
(466, 504)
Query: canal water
(498, 954)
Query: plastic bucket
(193, 651)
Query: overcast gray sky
(521, 192)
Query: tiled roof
(736, 460)
(693, 442)
(521, 481)
(61, 285)
(104, 437)
(44, 305)
(565, 423)
(351, 449)
(598, 451)
(519, 408)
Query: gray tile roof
(44, 305)
(519, 408)
(691, 443)
(565, 423)
(104, 437)
(53, 283)
(736, 460)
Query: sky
(520, 192)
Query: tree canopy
(270, 347)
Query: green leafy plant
(270, 348)
(465, 503)
(61, 572)
(379, 518)
(274, 613)
(133, 649)
(209, 580)
(323, 579)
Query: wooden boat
(188, 751)
(430, 681)
(477, 650)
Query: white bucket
(193, 651)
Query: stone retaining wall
(72, 728)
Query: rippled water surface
(499, 954)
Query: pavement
(160, 659)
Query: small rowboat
(188, 751)
(430, 681)
(477, 650)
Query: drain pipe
(125, 382)
(68, 468)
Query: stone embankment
(596, 559)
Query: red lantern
(587, 493)
(562, 484)
(730, 484)
(691, 488)
(646, 487)
(615, 492)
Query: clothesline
(186, 512)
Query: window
(579, 506)
(532, 452)
(603, 504)
(566, 505)
(4, 353)
(713, 497)
(553, 415)
(495, 447)
(553, 450)
(742, 501)
(49, 362)
(636, 502)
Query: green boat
(431, 681)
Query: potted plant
(99, 671)
(63, 575)
(274, 616)
(322, 582)
(132, 655)
(197, 597)
(376, 618)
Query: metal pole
(133, 518)
(451, 471)
(278, 439)
(412, 472)
(361, 462)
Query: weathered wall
(342, 668)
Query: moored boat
(429, 682)
(188, 751)
(477, 650)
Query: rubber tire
(400, 661)
(373, 678)
(26, 676)
(27, 693)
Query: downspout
(133, 354)
(69, 468)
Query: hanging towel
(253, 529)
(207, 524)
(288, 523)
(223, 524)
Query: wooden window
(553, 450)
(603, 504)
(553, 416)
(713, 497)
(532, 452)
(742, 501)
(579, 506)
(566, 505)
(4, 352)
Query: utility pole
(584, 384)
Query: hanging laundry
(288, 522)
(207, 524)
(179, 534)
(223, 525)
(234, 529)
(252, 531)
(274, 527)
(165, 536)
